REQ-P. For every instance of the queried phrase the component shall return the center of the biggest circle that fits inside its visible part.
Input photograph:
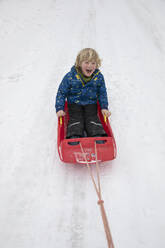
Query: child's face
(88, 67)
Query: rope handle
(100, 201)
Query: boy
(83, 86)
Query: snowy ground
(43, 202)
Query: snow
(44, 202)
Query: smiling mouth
(89, 71)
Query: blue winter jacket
(75, 90)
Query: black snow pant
(84, 120)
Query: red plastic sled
(73, 154)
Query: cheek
(83, 68)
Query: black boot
(93, 125)
(75, 127)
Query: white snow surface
(45, 203)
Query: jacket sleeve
(62, 93)
(102, 94)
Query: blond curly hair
(88, 54)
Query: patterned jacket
(75, 90)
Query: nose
(90, 66)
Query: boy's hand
(60, 113)
(106, 112)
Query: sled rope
(100, 201)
